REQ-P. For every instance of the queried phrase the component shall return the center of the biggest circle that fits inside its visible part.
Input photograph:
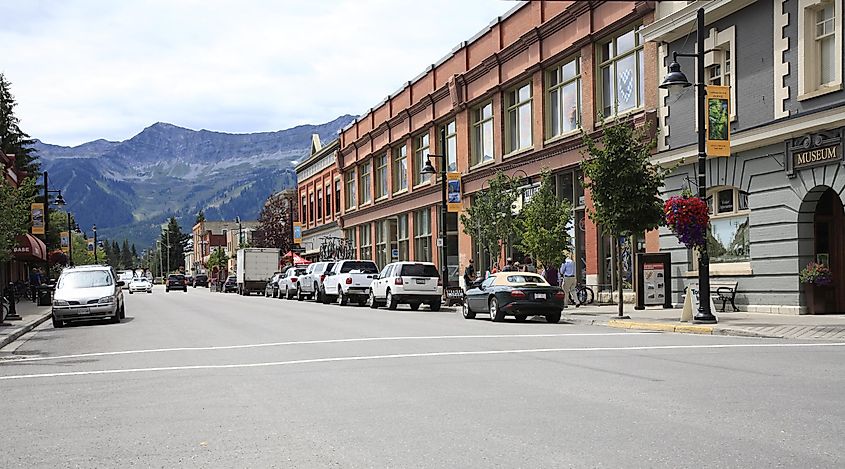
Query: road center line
(416, 355)
(310, 342)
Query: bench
(724, 291)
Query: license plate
(83, 311)
(539, 296)
(420, 281)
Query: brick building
(514, 98)
(319, 196)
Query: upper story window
(400, 168)
(337, 192)
(351, 199)
(328, 200)
(364, 184)
(482, 134)
(304, 210)
(729, 229)
(518, 111)
(319, 204)
(621, 73)
(451, 150)
(819, 47)
(564, 98)
(311, 218)
(421, 151)
(381, 176)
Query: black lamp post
(428, 170)
(240, 233)
(60, 201)
(674, 81)
(94, 229)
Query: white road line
(414, 355)
(310, 342)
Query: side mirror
(120, 283)
(481, 287)
(376, 277)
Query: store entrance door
(829, 224)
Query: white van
(125, 276)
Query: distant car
(289, 282)
(87, 292)
(140, 284)
(272, 287)
(230, 285)
(412, 283)
(310, 285)
(176, 282)
(349, 281)
(518, 294)
(200, 280)
(125, 276)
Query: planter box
(819, 299)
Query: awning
(29, 249)
(296, 259)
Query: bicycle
(583, 293)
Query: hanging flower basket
(816, 274)
(688, 217)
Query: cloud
(83, 70)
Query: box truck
(255, 266)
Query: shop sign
(814, 150)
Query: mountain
(129, 188)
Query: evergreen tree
(107, 252)
(127, 261)
(114, 258)
(135, 258)
(173, 244)
(13, 140)
(200, 217)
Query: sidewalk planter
(819, 298)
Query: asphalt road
(203, 379)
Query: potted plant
(816, 277)
(688, 217)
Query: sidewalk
(32, 316)
(826, 327)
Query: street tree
(544, 225)
(15, 209)
(13, 140)
(274, 223)
(200, 217)
(623, 183)
(135, 258)
(490, 219)
(127, 261)
(114, 258)
(173, 244)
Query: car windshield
(298, 272)
(419, 270)
(359, 266)
(90, 279)
(140, 279)
(522, 278)
(176, 277)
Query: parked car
(140, 284)
(87, 292)
(230, 285)
(176, 282)
(411, 283)
(125, 276)
(311, 284)
(349, 281)
(518, 294)
(200, 280)
(289, 281)
(272, 287)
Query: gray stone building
(776, 202)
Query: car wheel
(287, 293)
(553, 318)
(521, 317)
(468, 313)
(496, 314)
(167, 290)
(299, 296)
(130, 292)
(414, 306)
(57, 324)
(373, 301)
(123, 312)
(342, 298)
(318, 294)
(391, 301)
(435, 306)
(116, 318)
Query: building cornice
(680, 23)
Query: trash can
(44, 295)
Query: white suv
(311, 284)
(413, 283)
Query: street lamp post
(428, 170)
(60, 201)
(240, 233)
(674, 80)
(94, 229)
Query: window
(350, 190)
(819, 47)
(400, 168)
(381, 176)
(564, 98)
(328, 200)
(349, 234)
(311, 214)
(422, 235)
(421, 151)
(304, 212)
(319, 204)
(451, 135)
(728, 240)
(621, 73)
(382, 248)
(366, 241)
(337, 195)
(402, 237)
(364, 187)
(518, 111)
(419, 270)
(482, 134)
(719, 61)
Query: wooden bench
(724, 291)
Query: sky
(88, 69)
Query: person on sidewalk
(567, 276)
(509, 267)
(469, 275)
(551, 275)
(529, 265)
(34, 283)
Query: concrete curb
(16, 334)
(669, 327)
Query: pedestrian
(34, 282)
(469, 275)
(529, 265)
(551, 275)
(509, 266)
(567, 274)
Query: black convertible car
(518, 294)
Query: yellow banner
(64, 241)
(453, 192)
(718, 120)
(37, 211)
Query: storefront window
(728, 238)
(366, 242)
(402, 236)
(422, 235)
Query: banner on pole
(297, 233)
(64, 241)
(453, 192)
(37, 211)
(718, 120)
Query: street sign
(440, 242)
(394, 253)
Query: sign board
(813, 150)
(394, 253)
(440, 242)
(64, 241)
(718, 111)
(453, 192)
(297, 232)
(654, 276)
(653, 279)
(37, 212)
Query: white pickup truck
(349, 281)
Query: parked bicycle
(583, 294)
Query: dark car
(176, 282)
(518, 294)
(230, 285)
(201, 280)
